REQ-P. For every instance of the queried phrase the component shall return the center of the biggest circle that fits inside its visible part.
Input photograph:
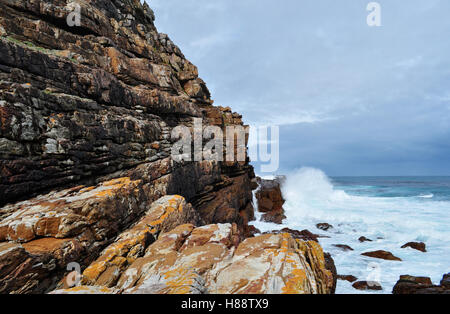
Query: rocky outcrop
(382, 255)
(301, 235)
(364, 239)
(343, 247)
(211, 259)
(324, 226)
(421, 285)
(349, 278)
(51, 231)
(367, 285)
(419, 246)
(85, 104)
(87, 114)
(270, 200)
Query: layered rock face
(82, 104)
(87, 176)
(208, 259)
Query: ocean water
(389, 210)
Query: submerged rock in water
(343, 247)
(420, 246)
(382, 255)
(367, 285)
(324, 226)
(349, 278)
(364, 239)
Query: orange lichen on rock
(85, 290)
(295, 283)
(206, 260)
(314, 253)
(132, 244)
(45, 245)
(52, 215)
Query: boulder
(270, 200)
(420, 246)
(382, 255)
(367, 285)
(343, 247)
(445, 282)
(364, 239)
(324, 226)
(420, 285)
(349, 278)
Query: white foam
(390, 222)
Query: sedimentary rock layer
(209, 259)
(78, 104)
(87, 176)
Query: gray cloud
(350, 99)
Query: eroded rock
(270, 200)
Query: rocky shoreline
(91, 200)
(269, 192)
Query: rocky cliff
(86, 115)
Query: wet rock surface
(421, 285)
(343, 247)
(349, 278)
(301, 235)
(367, 285)
(324, 226)
(364, 239)
(270, 200)
(382, 255)
(419, 246)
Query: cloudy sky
(349, 99)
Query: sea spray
(390, 211)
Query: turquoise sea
(391, 211)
